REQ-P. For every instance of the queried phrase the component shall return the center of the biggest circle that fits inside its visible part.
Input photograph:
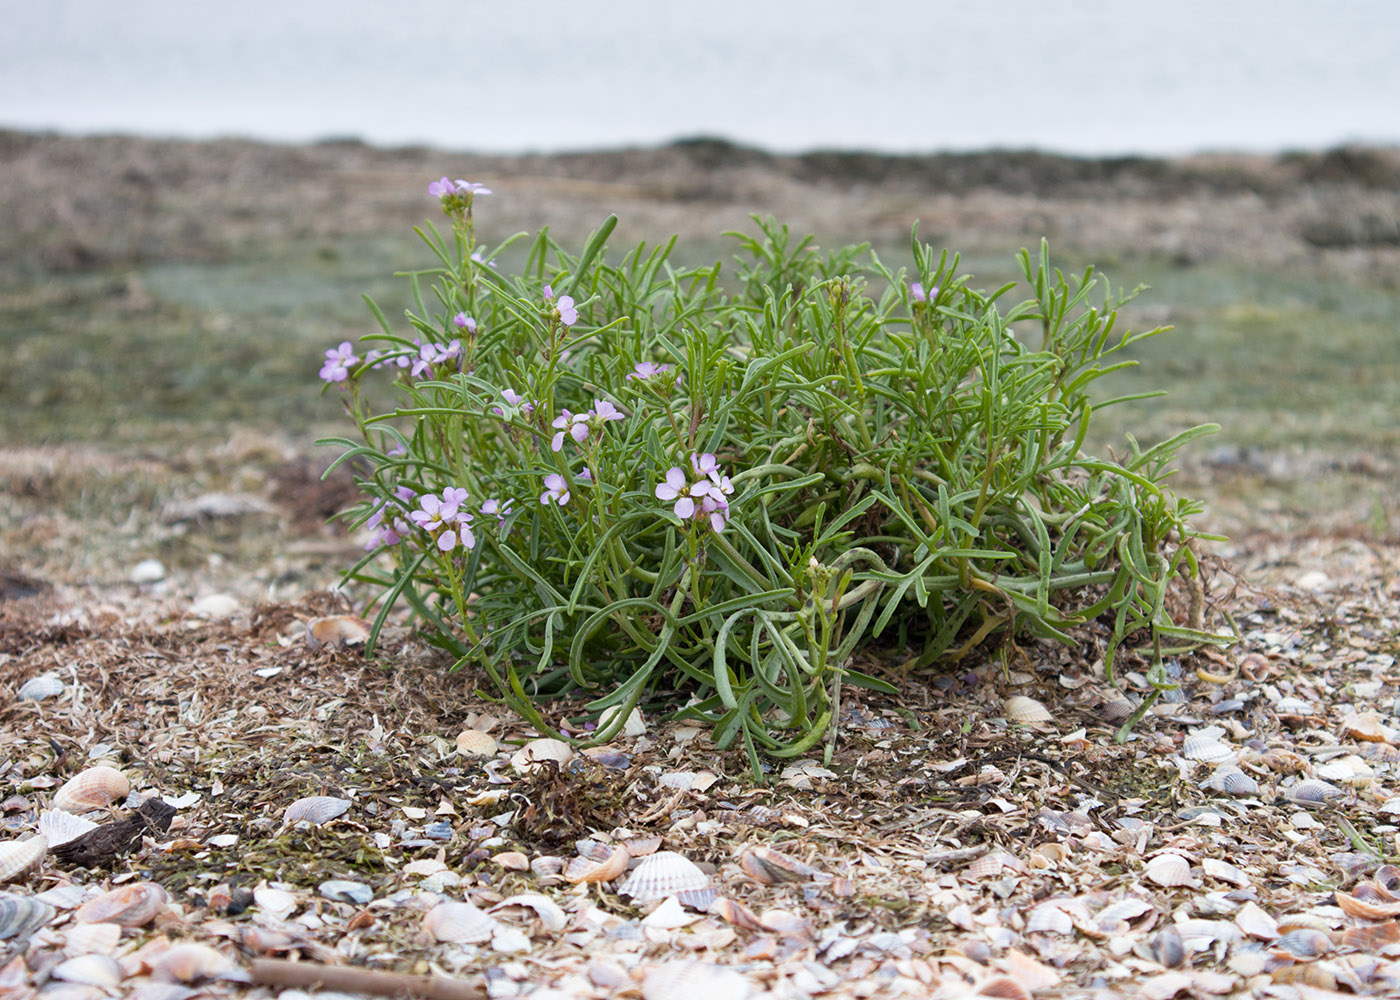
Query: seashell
(551, 915)
(345, 891)
(94, 788)
(1025, 711)
(1205, 748)
(634, 726)
(546, 865)
(1168, 870)
(1372, 938)
(315, 809)
(663, 874)
(640, 847)
(21, 916)
(276, 903)
(1117, 706)
(1224, 871)
(1228, 778)
(59, 827)
(585, 869)
(40, 687)
(337, 630)
(1049, 918)
(458, 923)
(1305, 942)
(267, 940)
(190, 963)
(1004, 988)
(512, 861)
(1387, 877)
(1256, 923)
(91, 939)
(1369, 909)
(991, 864)
(475, 743)
(19, 857)
(734, 912)
(91, 970)
(541, 753)
(785, 922)
(130, 906)
(669, 916)
(1312, 792)
(688, 978)
(1349, 769)
(1364, 726)
(770, 867)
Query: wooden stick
(350, 979)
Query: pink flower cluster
(579, 425)
(707, 496)
(444, 519)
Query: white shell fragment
(550, 914)
(58, 827)
(90, 970)
(458, 923)
(1025, 711)
(40, 687)
(337, 630)
(663, 874)
(315, 809)
(541, 753)
(634, 726)
(20, 857)
(1168, 870)
(130, 906)
(1205, 748)
(475, 743)
(94, 788)
(215, 606)
(688, 979)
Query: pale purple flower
(471, 188)
(478, 258)
(675, 487)
(430, 515)
(556, 490)
(646, 369)
(501, 508)
(564, 308)
(526, 407)
(704, 465)
(603, 411)
(459, 531)
(404, 493)
(575, 424)
(716, 508)
(442, 188)
(586, 474)
(390, 533)
(454, 496)
(465, 322)
(338, 362)
(427, 355)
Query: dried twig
(281, 972)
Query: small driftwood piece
(350, 979)
(110, 841)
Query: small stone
(214, 606)
(147, 571)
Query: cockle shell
(687, 979)
(94, 788)
(634, 726)
(736, 913)
(1305, 942)
(475, 743)
(91, 939)
(190, 963)
(59, 827)
(21, 916)
(1205, 748)
(1312, 792)
(130, 906)
(1168, 870)
(770, 867)
(541, 753)
(337, 630)
(1025, 711)
(40, 687)
(1369, 909)
(1050, 918)
(315, 809)
(511, 860)
(19, 857)
(1349, 769)
(91, 970)
(663, 874)
(458, 923)
(640, 847)
(605, 869)
(547, 866)
(1228, 778)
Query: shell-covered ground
(981, 834)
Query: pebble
(147, 571)
(214, 606)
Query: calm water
(1081, 76)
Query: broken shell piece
(1117, 706)
(59, 827)
(1349, 769)
(91, 939)
(19, 857)
(337, 630)
(191, 963)
(1003, 988)
(770, 867)
(1224, 871)
(634, 726)
(541, 753)
(1256, 923)
(585, 869)
(276, 903)
(547, 865)
(40, 687)
(458, 923)
(992, 864)
(1305, 942)
(475, 743)
(1205, 748)
(663, 874)
(130, 906)
(1025, 711)
(512, 860)
(1312, 792)
(1168, 870)
(1364, 726)
(90, 970)
(736, 913)
(640, 847)
(21, 916)
(551, 915)
(315, 809)
(1369, 909)
(94, 788)
(687, 978)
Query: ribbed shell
(1025, 711)
(58, 827)
(770, 867)
(663, 874)
(1369, 909)
(21, 916)
(541, 753)
(20, 857)
(91, 939)
(41, 687)
(130, 906)
(1313, 792)
(315, 809)
(688, 979)
(475, 743)
(91, 970)
(94, 788)
(458, 923)
(1205, 748)
(337, 630)
(1169, 870)
(1228, 778)
(551, 915)
(605, 869)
